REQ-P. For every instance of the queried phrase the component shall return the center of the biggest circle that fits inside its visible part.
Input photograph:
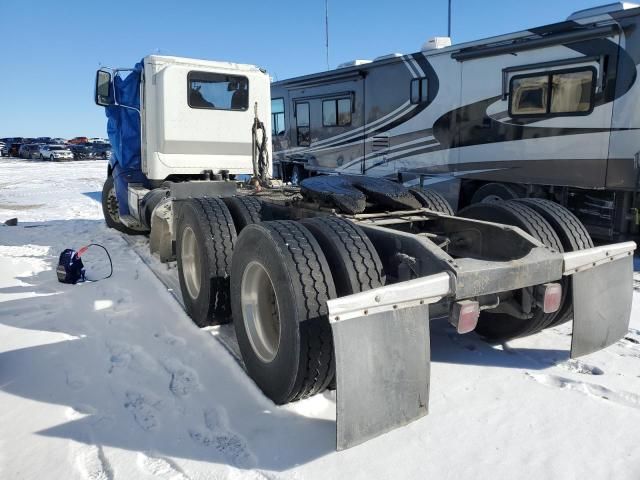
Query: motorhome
(550, 112)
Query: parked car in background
(44, 140)
(58, 141)
(2, 144)
(14, 149)
(87, 151)
(55, 152)
(27, 149)
(78, 140)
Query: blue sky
(49, 51)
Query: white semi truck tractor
(333, 283)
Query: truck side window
(419, 90)
(302, 124)
(560, 92)
(336, 112)
(277, 116)
(217, 91)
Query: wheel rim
(260, 311)
(190, 255)
(112, 205)
(492, 199)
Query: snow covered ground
(111, 380)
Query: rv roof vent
(602, 10)
(385, 57)
(435, 43)
(353, 63)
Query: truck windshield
(218, 91)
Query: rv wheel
(572, 234)
(280, 284)
(205, 236)
(494, 192)
(502, 326)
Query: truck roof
(196, 62)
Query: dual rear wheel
(275, 288)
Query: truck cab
(190, 115)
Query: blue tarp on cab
(123, 128)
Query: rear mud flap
(602, 299)
(382, 372)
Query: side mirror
(104, 90)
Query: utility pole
(449, 21)
(326, 30)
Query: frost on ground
(111, 380)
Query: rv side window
(302, 124)
(277, 116)
(217, 91)
(571, 92)
(336, 112)
(568, 92)
(529, 95)
(419, 90)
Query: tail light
(464, 315)
(551, 297)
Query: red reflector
(464, 315)
(552, 297)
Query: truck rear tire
(110, 209)
(572, 234)
(501, 326)
(432, 200)
(205, 237)
(280, 284)
(353, 260)
(244, 210)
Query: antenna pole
(326, 30)
(449, 21)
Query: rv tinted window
(529, 95)
(419, 90)
(302, 124)
(336, 112)
(217, 91)
(277, 116)
(344, 111)
(329, 115)
(571, 92)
